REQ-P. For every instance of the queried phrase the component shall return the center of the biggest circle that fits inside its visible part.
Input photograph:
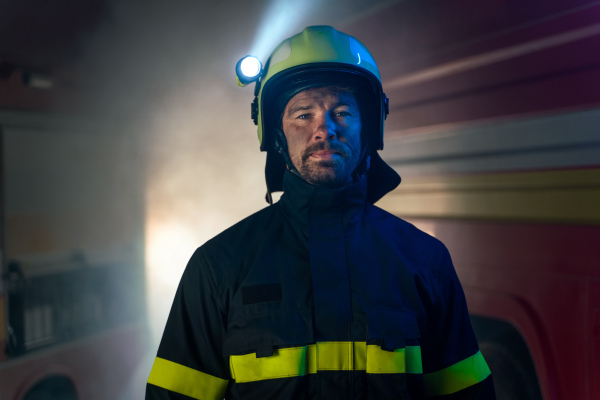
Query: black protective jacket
(320, 296)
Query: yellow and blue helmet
(317, 56)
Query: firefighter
(321, 295)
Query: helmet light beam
(248, 70)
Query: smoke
(165, 71)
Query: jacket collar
(382, 177)
(303, 202)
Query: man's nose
(326, 127)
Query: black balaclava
(278, 159)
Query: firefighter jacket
(320, 296)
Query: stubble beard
(332, 173)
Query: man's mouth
(324, 154)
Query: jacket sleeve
(189, 362)
(453, 366)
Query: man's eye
(304, 116)
(343, 114)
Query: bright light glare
(282, 19)
(250, 66)
(169, 246)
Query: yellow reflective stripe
(414, 364)
(461, 375)
(380, 361)
(184, 380)
(335, 356)
(325, 356)
(293, 361)
(399, 361)
(312, 359)
(360, 356)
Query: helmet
(318, 56)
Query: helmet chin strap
(280, 146)
(363, 165)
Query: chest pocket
(269, 347)
(391, 328)
(392, 353)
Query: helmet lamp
(248, 70)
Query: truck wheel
(513, 374)
(58, 388)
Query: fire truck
(72, 282)
(72, 310)
(494, 127)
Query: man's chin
(328, 177)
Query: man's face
(322, 128)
